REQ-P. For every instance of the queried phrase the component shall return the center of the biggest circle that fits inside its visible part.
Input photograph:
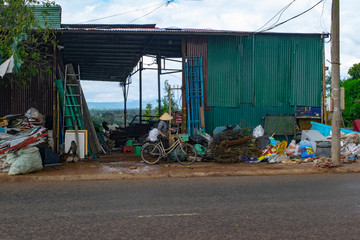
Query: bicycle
(152, 152)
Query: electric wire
(163, 4)
(322, 22)
(119, 14)
(298, 15)
(280, 12)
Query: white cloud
(238, 15)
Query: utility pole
(335, 84)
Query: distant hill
(131, 104)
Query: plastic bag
(306, 150)
(26, 160)
(258, 131)
(291, 148)
(34, 113)
(153, 134)
(281, 148)
(200, 149)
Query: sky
(237, 15)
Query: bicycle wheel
(150, 153)
(185, 154)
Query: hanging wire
(280, 12)
(298, 15)
(119, 14)
(164, 4)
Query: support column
(125, 99)
(140, 90)
(158, 60)
(335, 82)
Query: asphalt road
(266, 207)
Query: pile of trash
(234, 144)
(19, 136)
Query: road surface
(264, 207)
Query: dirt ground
(117, 165)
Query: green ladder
(73, 112)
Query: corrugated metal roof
(145, 29)
(105, 56)
(151, 28)
(48, 16)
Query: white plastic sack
(26, 160)
(258, 131)
(153, 134)
(34, 113)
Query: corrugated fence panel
(37, 94)
(53, 16)
(246, 115)
(5, 97)
(245, 69)
(194, 47)
(306, 70)
(272, 69)
(223, 80)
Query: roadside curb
(4, 178)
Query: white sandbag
(153, 134)
(26, 160)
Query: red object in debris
(356, 125)
(127, 149)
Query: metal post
(140, 90)
(158, 60)
(335, 70)
(323, 108)
(125, 98)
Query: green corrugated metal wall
(306, 70)
(224, 64)
(53, 18)
(246, 115)
(251, 76)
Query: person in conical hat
(163, 128)
(166, 117)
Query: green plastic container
(137, 150)
(129, 143)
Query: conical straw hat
(166, 117)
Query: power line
(163, 4)
(280, 12)
(115, 15)
(298, 15)
(322, 22)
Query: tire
(185, 154)
(150, 153)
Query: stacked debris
(19, 137)
(232, 145)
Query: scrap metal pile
(19, 132)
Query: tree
(22, 36)
(354, 71)
(165, 100)
(147, 112)
(352, 97)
